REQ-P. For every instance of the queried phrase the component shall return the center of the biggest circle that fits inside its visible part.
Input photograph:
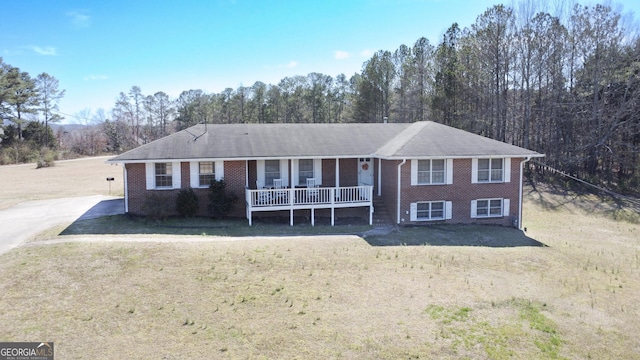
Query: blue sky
(98, 49)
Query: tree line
(563, 82)
(30, 104)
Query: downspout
(520, 194)
(126, 188)
(399, 187)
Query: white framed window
(431, 171)
(490, 170)
(431, 210)
(203, 172)
(305, 170)
(163, 175)
(271, 171)
(206, 173)
(487, 208)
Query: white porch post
(371, 206)
(313, 217)
(337, 172)
(332, 193)
(291, 216)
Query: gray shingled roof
(430, 139)
(254, 141)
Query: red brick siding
(329, 172)
(348, 172)
(234, 173)
(461, 193)
(390, 186)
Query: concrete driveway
(25, 220)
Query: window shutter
(150, 172)
(413, 211)
(448, 208)
(507, 170)
(414, 172)
(295, 172)
(219, 169)
(449, 170)
(176, 176)
(506, 203)
(194, 174)
(474, 171)
(260, 170)
(284, 172)
(474, 209)
(317, 171)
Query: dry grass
(334, 297)
(67, 178)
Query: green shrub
(220, 203)
(187, 203)
(47, 158)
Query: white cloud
(96, 77)
(341, 55)
(367, 53)
(290, 65)
(48, 50)
(79, 19)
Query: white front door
(365, 172)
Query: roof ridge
(397, 142)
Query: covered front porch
(290, 184)
(262, 200)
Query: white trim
(448, 172)
(176, 175)
(194, 174)
(413, 211)
(126, 189)
(317, 171)
(506, 170)
(219, 169)
(414, 172)
(284, 172)
(150, 175)
(260, 174)
(474, 170)
(448, 210)
(506, 203)
(474, 208)
(295, 166)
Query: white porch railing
(309, 198)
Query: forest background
(566, 85)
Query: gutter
(520, 193)
(404, 161)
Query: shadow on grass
(554, 197)
(124, 224)
(454, 235)
(434, 235)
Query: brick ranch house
(423, 172)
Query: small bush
(220, 203)
(156, 208)
(187, 203)
(47, 158)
